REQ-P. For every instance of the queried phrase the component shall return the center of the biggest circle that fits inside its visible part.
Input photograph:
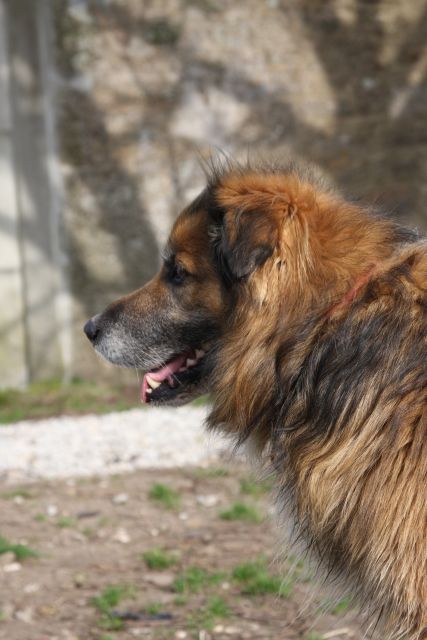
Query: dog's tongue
(164, 373)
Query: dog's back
(352, 457)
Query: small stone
(79, 580)
(183, 515)
(52, 510)
(25, 615)
(120, 498)
(12, 567)
(33, 587)
(181, 635)
(231, 631)
(160, 579)
(209, 500)
(218, 628)
(207, 537)
(18, 500)
(204, 635)
(47, 611)
(225, 586)
(121, 536)
(154, 532)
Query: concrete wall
(12, 335)
(33, 340)
(139, 90)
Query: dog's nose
(91, 329)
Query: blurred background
(106, 107)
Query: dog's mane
(338, 394)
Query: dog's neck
(361, 281)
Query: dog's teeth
(149, 391)
(199, 353)
(153, 383)
(190, 362)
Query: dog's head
(169, 328)
(262, 240)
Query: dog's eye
(177, 274)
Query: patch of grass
(21, 551)
(53, 397)
(153, 609)
(255, 579)
(341, 607)
(17, 493)
(158, 559)
(194, 580)
(107, 601)
(314, 636)
(241, 511)
(211, 472)
(218, 608)
(65, 522)
(180, 601)
(40, 517)
(252, 487)
(206, 617)
(164, 496)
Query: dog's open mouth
(164, 384)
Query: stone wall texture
(147, 87)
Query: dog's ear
(247, 240)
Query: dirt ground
(211, 570)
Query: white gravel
(104, 444)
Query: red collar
(348, 297)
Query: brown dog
(305, 317)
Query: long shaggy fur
(310, 313)
(324, 365)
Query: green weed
(65, 522)
(194, 579)
(165, 496)
(255, 579)
(241, 511)
(17, 493)
(40, 517)
(153, 609)
(107, 601)
(251, 487)
(158, 559)
(21, 551)
(206, 617)
(211, 472)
